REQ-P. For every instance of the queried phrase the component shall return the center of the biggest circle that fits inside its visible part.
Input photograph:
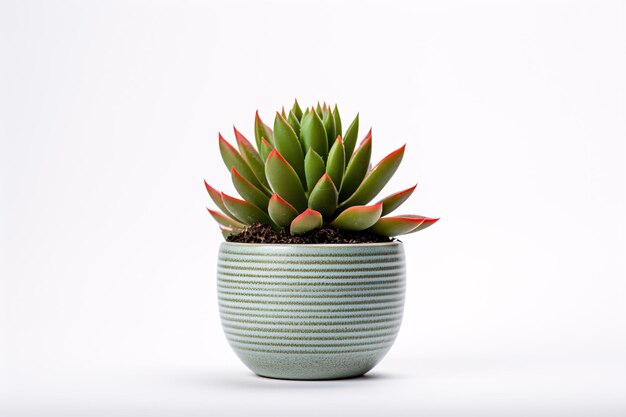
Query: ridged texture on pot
(311, 311)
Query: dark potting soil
(259, 233)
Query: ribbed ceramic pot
(311, 311)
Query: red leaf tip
(210, 189)
(400, 150)
(281, 200)
(238, 134)
(230, 197)
(308, 212)
(225, 142)
(274, 153)
(367, 138)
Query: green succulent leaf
(399, 225)
(294, 122)
(376, 179)
(313, 134)
(280, 211)
(357, 218)
(349, 139)
(305, 171)
(225, 220)
(329, 126)
(337, 118)
(296, 110)
(305, 222)
(216, 196)
(319, 110)
(229, 231)
(314, 168)
(266, 149)
(261, 130)
(246, 212)
(393, 201)
(324, 196)
(428, 221)
(232, 158)
(357, 168)
(287, 143)
(336, 163)
(248, 191)
(251, 156)
(285, 181)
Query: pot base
(310, 367)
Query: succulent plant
(305, 173)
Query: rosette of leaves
(306, 172)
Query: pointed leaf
(336, 163)
(282, 113)
(232, 158)
(337, 118)
(349, 139)
(225, 220)
(266, 148)
(308, 220)
(357, 168)
(216, 196)
(251, 156)
(376, 179)
(319, 110)
(297, 111)
(313, 134)
(230, 231)
(314, 168)
(284, 180)
(248, 191)
(246, 212)
(357, 218)
(288, 144)
(393, 201)
(399, 225)
(294, 123)
(261, 130)
(324, 196)
(280, 211)
(428, 221)
(329, 126)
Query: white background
(515, 118)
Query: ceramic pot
(311, 311)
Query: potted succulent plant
(311, 281)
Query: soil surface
(259, 233)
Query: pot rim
(317, 245)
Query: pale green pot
(311, 311)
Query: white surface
(515, 119)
